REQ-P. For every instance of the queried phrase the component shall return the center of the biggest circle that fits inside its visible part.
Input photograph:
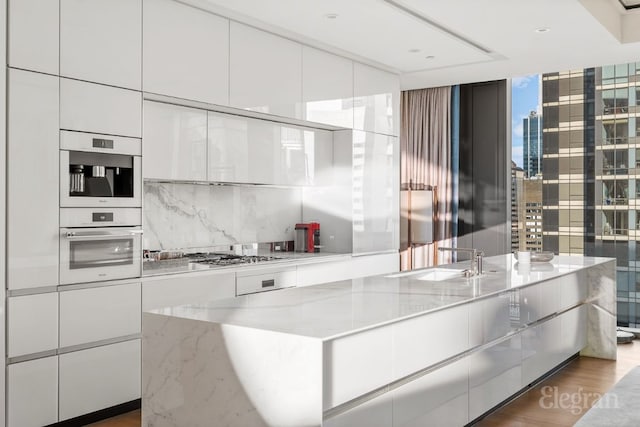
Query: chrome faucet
(476, 259)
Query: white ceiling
(470, 40)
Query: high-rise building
(517, 205)
(591, 178)
(532, 214)
(532, 144)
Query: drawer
(32, 324)
(99, 378)
(183, 289)
(89, 315)
(32, 393)
(100, 217)
(90, 107)
(267, 281)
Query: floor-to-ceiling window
(589, 173)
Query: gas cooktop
(227, 259)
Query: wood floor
(547, 404)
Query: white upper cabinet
(377, 100)
(101, 41)
(186, 52)
(242, 149)
(266, 72)
(327, 88)
(34, 35)
(376, 186)
(32, 201)
(107, 110)
(174, 145)
(247, 150)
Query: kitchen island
(428, 347)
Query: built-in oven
(100, 170)
(100, 244)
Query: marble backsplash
(185, 216)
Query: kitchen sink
(433, 274)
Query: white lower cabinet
(324, 272)
(89, 315)
(372, 265)
(177, 290)
(357, 364)
(377, 412)
(439, 398)
(539, 349)
(32, 324)
(98, 378)
(32, 393)
(494, 374)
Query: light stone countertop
(330, 310)
(182, 265)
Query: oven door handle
(71, 235)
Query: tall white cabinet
(376, 187)
(100, 41)
(265, 72)
(34, 35)
(186, 52)
(32, 180)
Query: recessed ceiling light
(542, 30)
(331, 15)
(414, 50)
(429, 57)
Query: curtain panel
(425, 162)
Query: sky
(525, 97)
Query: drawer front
(100, 217)
(95, 314)
(32, 393)
(187, 290)
(265, 282)
(98, 378)
(90, 107)
(32, 324)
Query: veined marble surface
(340, 308)
(182, 216)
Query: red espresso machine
(307, 237)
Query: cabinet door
(439, 398)
(95, 314)
(99, 378)
(494, 374)
(32, 199)
(265, 72)
(175, 142)
(94, 108)
(34, 35)
(186, 52)
(101, 41)
(32, 393)
(165, 292)
(32, 324)
(242, 149)
(324, 272)
(377, 412)
(376, 200)
(377, 100)
(327, 88)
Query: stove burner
(227, 259)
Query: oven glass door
(89, 255)
(100, 253)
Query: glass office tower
(532, 144)
(591, 164)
